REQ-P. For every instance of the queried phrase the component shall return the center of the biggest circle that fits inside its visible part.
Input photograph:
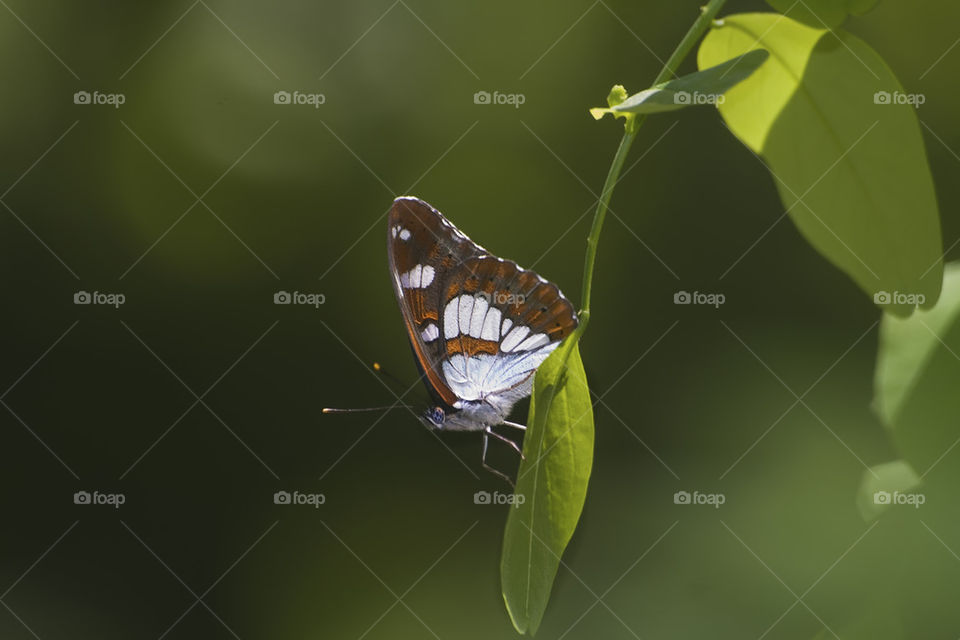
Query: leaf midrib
(536, 479)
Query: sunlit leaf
(822, 13)
(558, 456)
(698, 88)
(843, 143)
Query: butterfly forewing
(422, 246)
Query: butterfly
(479, 325)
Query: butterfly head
(434, 417)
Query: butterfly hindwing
(500, 322)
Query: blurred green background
(293, 198)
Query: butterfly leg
(502, 438)
(486, 439)
(515, 425)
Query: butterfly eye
(434, 416)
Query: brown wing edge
(435, 384)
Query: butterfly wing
(479, 325)
(422, 248)
(500, 322)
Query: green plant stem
(631, 128)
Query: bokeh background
(199, 198)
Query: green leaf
(848, 160)
(553, 476)
(882, 481)
(822, 13)
(701, 87)
(918, 375)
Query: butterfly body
(479, 325)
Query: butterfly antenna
(397, 405)
(360, 410)
(394, 380)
